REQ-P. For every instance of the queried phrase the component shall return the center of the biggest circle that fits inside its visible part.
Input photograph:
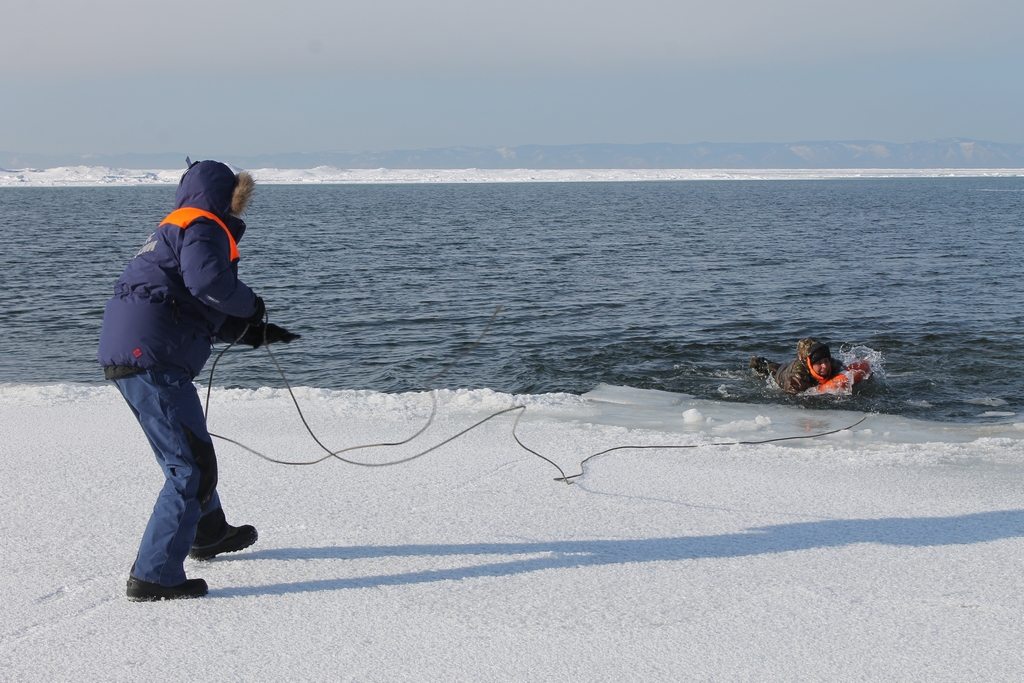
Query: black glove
(257, 317)
(271, 333)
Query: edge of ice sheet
(679, 413)
(101, 176)
(627, 414)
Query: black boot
(144, 591)
(236, 538)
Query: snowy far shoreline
(101, 176)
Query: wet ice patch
(758, 424)
(608, 393)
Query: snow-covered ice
(92, 176)
(890, 551)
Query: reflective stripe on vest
(184, 217)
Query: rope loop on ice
(519, 409)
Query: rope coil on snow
(520, 409)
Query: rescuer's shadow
(911, 532)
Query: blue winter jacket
(181, 291)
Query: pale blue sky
(117, 76)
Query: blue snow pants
(168, 408)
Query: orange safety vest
(184, 217)
(810, 366)
(856, 371)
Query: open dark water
(668, 286)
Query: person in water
(179, 294)
(812, 367)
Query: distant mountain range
(944, 153)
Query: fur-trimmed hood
(242, 194)
(212, 186)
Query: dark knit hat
(818, 352)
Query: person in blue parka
(178, 295)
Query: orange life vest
(183, 218)
(810, 367)
(856, 371)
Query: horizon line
(102, 176)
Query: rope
(519, 409)
(699, 445)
